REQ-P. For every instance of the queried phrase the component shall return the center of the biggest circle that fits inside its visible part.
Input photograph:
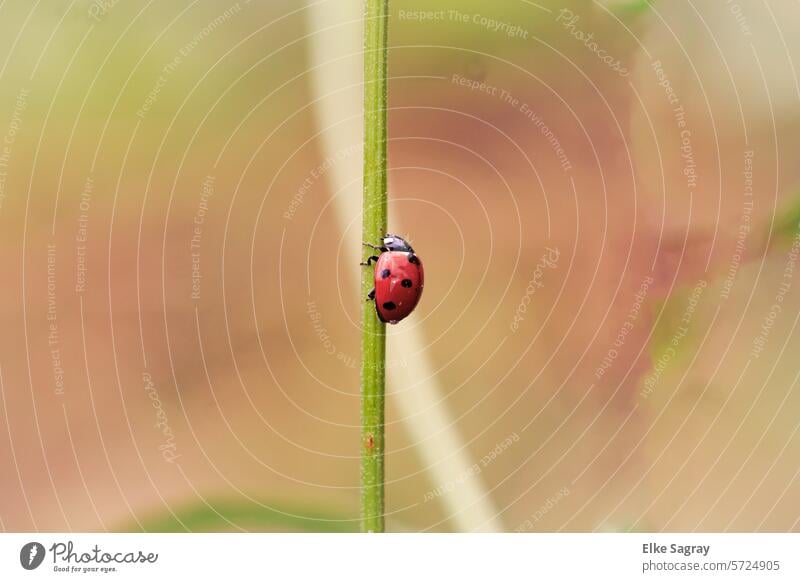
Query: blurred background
(605, 197)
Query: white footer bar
(401, 557)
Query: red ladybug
(399, 279)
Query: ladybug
(399, 279)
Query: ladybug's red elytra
(399, 279)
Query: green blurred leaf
(233, 514)
(786, 222)
(666, 333)
(629, 6)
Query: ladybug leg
(375, 247)
(369, 262)
(371, 295)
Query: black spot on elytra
(406, 283)
(385, 273)
(413, 259)
(389, 306)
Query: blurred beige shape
(337, 77)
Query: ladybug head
(396, 243)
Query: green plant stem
(373, 345)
